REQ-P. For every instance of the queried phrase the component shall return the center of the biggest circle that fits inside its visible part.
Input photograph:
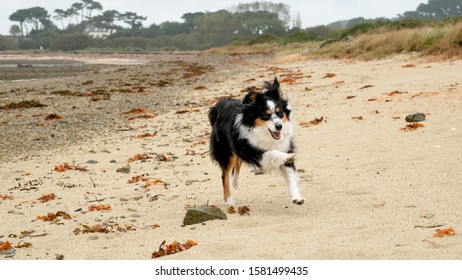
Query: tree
(20, 16)
(216, 29)
(191, 20)
(15, 30)
(132, 19)
(107, 19)
(258, 22)
(440, 9)
(72, 12)
(60, 15)
(170, 28)
(297, 21)
(280, 9)
(75, 8)
(39, 17)
(435, 9)
(91, 7)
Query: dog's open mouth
(276, 134)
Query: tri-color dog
(258, 131)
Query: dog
(257, 131)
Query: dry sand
(372, 190)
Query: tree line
(260, 21)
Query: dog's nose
(278, 126)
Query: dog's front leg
(273, 159)
(291, 177)
(284, 162)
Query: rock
(92, 161)
(201, 214)
(417, 117)
(125, 169)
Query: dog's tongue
(276, 135)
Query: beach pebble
(125, 169)
(417, 117)
(91, 161)
(201, 214)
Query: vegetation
(434, 28)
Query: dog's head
(267, 111)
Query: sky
(312, 12)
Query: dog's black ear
(274, 90)
(251, 97)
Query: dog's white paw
(289, 158)
(298, 200)
(230, 201)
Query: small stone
(91, 161)
(417, 117)
(124, 198)
(59, 257)
(135, 215)
(125, 169)
(201, 214)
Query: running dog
(257, 131)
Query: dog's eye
(280, 114)
(265, 116)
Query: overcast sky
(312, 12)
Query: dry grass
(444, 42)
(266, 48)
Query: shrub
(71, 42)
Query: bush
(71, 42)
(297, 37)
(6, 43)
(28, 44)
(264, 39)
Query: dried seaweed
(173, 248)
(50, 217)
(53, 116)
(5, 246)
(145, 135)
(444, 232)
(100, 207)
(66, 166)
(412, 126)
(22, 105)
(6, 197)
(47, 197)
(103, 228)
(23, 244)
(142, 157)
(329, 75)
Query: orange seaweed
(444, 232)
(5, 246)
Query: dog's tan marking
(259, 122)
(225, 177)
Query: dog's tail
(213, 115)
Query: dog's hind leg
(226, 172)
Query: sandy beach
(373, 188)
